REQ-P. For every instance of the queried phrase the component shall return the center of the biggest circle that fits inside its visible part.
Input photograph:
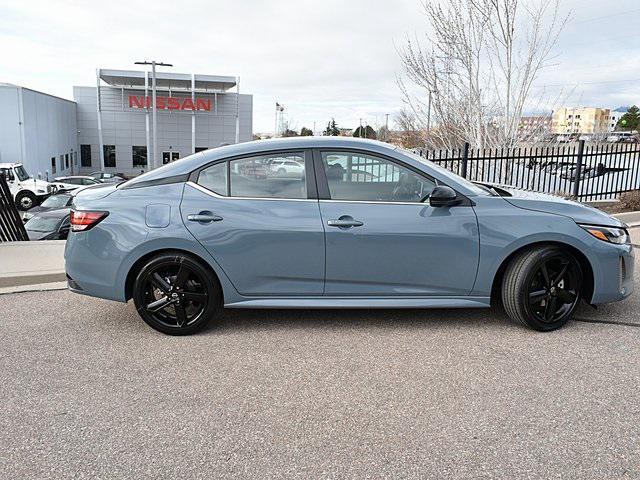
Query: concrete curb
(31, 263)
(630, 218)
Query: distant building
(615, 116)
(580, 120)
(534, 126)
(38, 130)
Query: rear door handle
(204, 217)
(345, 221)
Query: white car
(283, 167)
(74, 183)
(26, 190)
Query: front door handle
(345, 221)
(204, 217)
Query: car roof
(190, 163)
(9, 165)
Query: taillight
(82, 221)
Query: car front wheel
(175, 294)
(541, 287)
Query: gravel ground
(89, 391)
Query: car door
(264, 230)
(381, 239)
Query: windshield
(42, 224)
(470, 185)
(56, 201)
(21, 173)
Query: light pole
(154, 64)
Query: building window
(85, 155)
(62, 162)
(201, 149)
(139, 156)
(109, 152)
(75, 157)
(53, 164)
(66, 160)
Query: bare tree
(472, 79)
(410, 134)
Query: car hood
(543, 202)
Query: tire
(176, 294)
(541, 287)
(25, 200)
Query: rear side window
(264, 176)
(214, 178)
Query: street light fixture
(154, 64)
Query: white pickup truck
(26, 190)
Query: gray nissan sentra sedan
(354, 224)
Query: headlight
(609, 234)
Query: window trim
(310, 179)
(323, 185)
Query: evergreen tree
(630, 120)
(332, 129)
(365, 132)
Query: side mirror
(443, 196)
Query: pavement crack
(608, 322)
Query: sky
(319, 59)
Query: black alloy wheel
(542, 287)
(175, 294)
(554, 289)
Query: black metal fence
(11, 227)
(584, 172)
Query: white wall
(10, 144)
(50, 130)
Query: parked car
(49, 225)
(184, 239)
(108, 177)
(74, 182)
(54, 202)
(26, 190)
(619, 137)
(284, 167)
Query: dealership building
(109, 126)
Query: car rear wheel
(541, 287)
(175, 294)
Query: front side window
(355, 176)
(139, 156)
(21, 173)
(109, 155)
(267, 176)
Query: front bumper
(615, 279)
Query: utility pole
(386, 127)
(154, 64)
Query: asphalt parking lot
(89, 391)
